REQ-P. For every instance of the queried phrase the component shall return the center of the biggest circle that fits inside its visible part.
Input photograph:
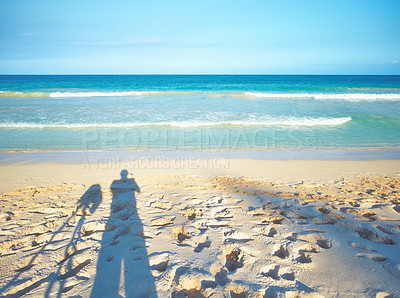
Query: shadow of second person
(123, 265)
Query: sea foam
(320, 121)
(100, 94)
(318, 96)
(322, 96)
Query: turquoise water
(205, 112)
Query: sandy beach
(202, 149)
(234, 228)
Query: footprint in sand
(220, 274)
(303, 258)
(237, 290)
(362, 246)
(159, 262)
(237, 237)
(388, 229)
(190, 282)
(374, 257)
(302, 215)
(324, 210)
(218, 224)
(162, 221)
(316, 239)
(354, 203)
(372, 236)
(257, 211)
(308, 248)
(162, 205)
(287, 273)
(270, 271)
(180, 233)
(275, 219)
(268, 231)
(233, 257)
(324, 220)
(199, 242)
(222, 213)
(280, 251)
(190, 213)
(364, 214)
(291, 236)
(213, 201)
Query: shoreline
(49, 171)
(77, 157)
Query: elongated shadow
(87, 205)
(123, 266)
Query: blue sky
(218, 36)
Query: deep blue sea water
(198, 112)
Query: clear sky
(204, 36)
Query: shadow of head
(124, 175)
(90, 200)
(124, 185)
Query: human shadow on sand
(87, 205)
(123, 265)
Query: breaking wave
(320, 121)
(324, 96)
(318, 96)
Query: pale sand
(244, 228)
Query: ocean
(198, 112)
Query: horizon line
(193, 74)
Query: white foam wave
(98, 94)
(321, 121)
(322, 96)
(318, 96)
